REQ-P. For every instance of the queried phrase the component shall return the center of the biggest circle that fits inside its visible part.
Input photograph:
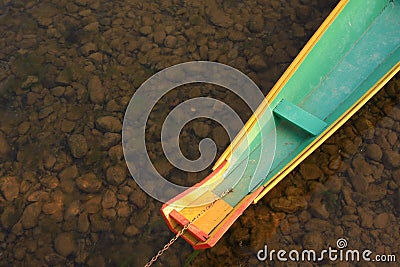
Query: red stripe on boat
(193, 229)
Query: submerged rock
(318, 209)
(361, 166)
(93, 205)
(9, 187)
(257, 63)
(96, 90)
(10, 216)
(145, 30)
(290, 204)
(131, 231)
(69, 173)
(65, 244)
(382, 220)
(366, 218)
(78, 145)
(201, 129)
(109, 200)
(170, 41)
(96, 261)
(397, 200)
(376, 192)
(38, 196)
(109, 124)
(313, 240)
(256, 24)
(54, 259)
(310, 171)
(359, 182)
(391, 158)
(138, 198)
(217, 15)
(5, 149)
(50, 182)
(89, 183)
(159, 36)
(72, 210)
(373, 151)
(83, 222)
(315, 224)
(123, 209)
(30, 216)
(98, 224)
(63, 78)
(30, 80)
(116, 175)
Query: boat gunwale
(286, 76)
(328, 132)
(267, 185)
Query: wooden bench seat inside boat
(299, 117)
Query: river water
(67, 72)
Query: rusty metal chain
(185, 227)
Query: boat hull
(348, 60)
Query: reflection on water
(67, 72)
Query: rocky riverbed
(67, 72)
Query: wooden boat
(351, 56)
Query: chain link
(185, 227)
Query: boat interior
(340, 68)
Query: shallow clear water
(67, 72)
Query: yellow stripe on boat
(348, 60)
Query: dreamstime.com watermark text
(340, 253)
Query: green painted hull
(353, 54)
(359, 48)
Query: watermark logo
(340, 253)
(341, 243)
(256, 148)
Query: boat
(354, 52)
